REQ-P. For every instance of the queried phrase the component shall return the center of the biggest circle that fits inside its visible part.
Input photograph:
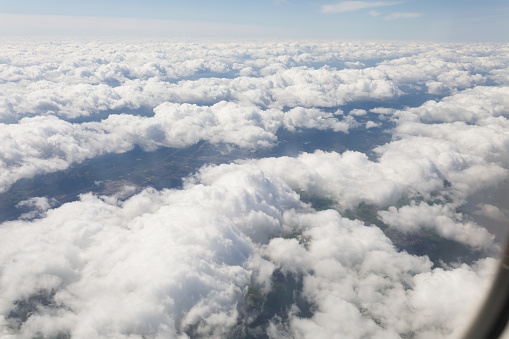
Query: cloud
(399, 15)
(124, 81)
(358, 112)
(371, 124)
(347, 178)
(46, 144)
(248, 112)
(54, 25)
(38, 206)
(313, 118)
(179, 262)
(454, 79)
(412, 166)
(359, 286)
(401, 171)
(439, 158)
(160, 263)
(492, 212)
(356, 64)
(124, 77)
(72, 93)
(440, 218)
(347, 6)
(478, 105)
(203, 260)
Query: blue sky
(456, 20)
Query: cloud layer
(179, 262)
(210, 259)
(259, 82)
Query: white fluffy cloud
(437, 159)
(347, 178)
(46, 144)
(452, 159)
(402, 170)
(477, 106)
(80, 80)
(152, 265)
(179, 262)
(441, 218)
(371, 124)
(37, 207)
(291, 87)
(361, 286)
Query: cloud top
(329, 241)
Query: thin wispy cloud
(348, 6)
(399, 15)
(54, 25)
(374, 13)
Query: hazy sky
(456, 20)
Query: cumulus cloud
(314, 118)
(360, 286)
(486, 145)
(356, 64)
(179, 262)
(70, 83)
(46, 144)
(453, 160)
(347, 178)
(402, 171)
(383, 110)
(441, 218)
(285, 87)
(477, 105)
(371, 124)
(201, 261)
(37, 206)
(358, 112)
(439, 159)
(159, 263)
(412, 166)
(437, 72)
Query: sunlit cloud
(202, 260)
